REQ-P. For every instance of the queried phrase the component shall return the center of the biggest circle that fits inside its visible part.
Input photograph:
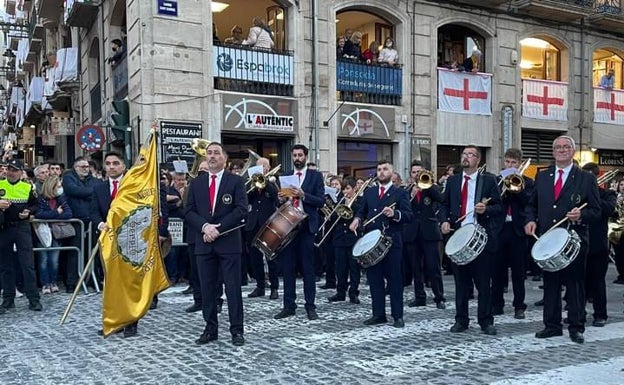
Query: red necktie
(212, 190)
(295, 201)
(464, 196)
(418, 195)
(559, 184)
(509, 210)
(382, 191)
(114, 193)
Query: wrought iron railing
(369, 83)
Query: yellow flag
(130, 250)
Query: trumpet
(259, 181)
(514, 183)
(607, 176)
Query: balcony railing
(369, 83)
(120, 78)
(96, 103)
(80, 13)
(258, 71)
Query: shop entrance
(277, 150)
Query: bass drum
(279, 230)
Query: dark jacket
(262, 204)
(79, 192)
(47, 212)
(518, 202)
(424, 226)
(314, 199)
(342, 236)
(598, 229)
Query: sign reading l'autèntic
(176, 140)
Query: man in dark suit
(262, 204)
(421, 237)
(598, 256)
(308, 196)
(513, 247)
(393, 204)
(559, 192)
(103, 195)
(216, 205)
(473, 197)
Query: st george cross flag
(543, 99)
(464, 92)
(608, 106)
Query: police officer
(17, 202)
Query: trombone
(259, 181)
(424, 181)
(199, 146)
(515, 182)
(607, 176)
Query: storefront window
(359, 159)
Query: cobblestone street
(336, 349)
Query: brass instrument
(259, 180)
(514, 183)
(424, 180)
(616, 226)
(481, 169)
(199, 146)
(251, 160)
(607, 176)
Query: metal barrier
(80, 251)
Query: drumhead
(367, 242)
(460, 238)
(550, 244)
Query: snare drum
(371, 248)
(465, 245)
(556, 249)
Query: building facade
(181, 63)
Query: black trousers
(330, 263)
(478, 270)
(257, 263)
(573, 277)
(19, 235)
(425, 262)
(300, 250)
(348, 272)
(595, 274)
(512, 254)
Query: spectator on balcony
(388, 54)
(348, 33)
(352, 49)
(119, 51)
(260, 35)
(608, 80)
(215, 35)
(340, 42)
(237, 36)
(52, 205)
(371, 53)
(472, 63)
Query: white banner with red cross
(544, 99)
(608, 106)
(464, 92)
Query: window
(540, 60)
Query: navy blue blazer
(314, 190)
(230, 211)
(342, 236)
(598, 230)
(580, 187)
(372, 205)
(491, 219)
(425, 218)
(518, 202)
(262, 204)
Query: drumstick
(230, 230)
(368, 222)
(581, 207)
(485, 201)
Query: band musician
(391, 206)
(471, 197)
(559, 192)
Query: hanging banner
(464, 92)
(608, 106)
(543, 99)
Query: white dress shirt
(472, 186)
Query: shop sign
(258, 114)
(359, 121)
(176, 140)
(611, 158)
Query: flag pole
(79, 284)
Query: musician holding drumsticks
(391, 208)
(559, 192)
(466, 194)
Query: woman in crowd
(388, 54)
(260, 35)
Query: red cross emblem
(465, 94)
(612, 106)
(545, 100)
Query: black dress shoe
(274, 294)
(471, 296)
(188, 290)
(354, 300)
(577, 337)
(35, 305)
(599, 322)
(130, 331)
(328, 286)
(195, 307)
(256, 293)
(284, 313)
(519, 314)
(312, 314)
(238, 340)
(417, 303)
(548, 333)
(441, 305)
(539, 303)
(498, 311)
(206, 337)
(375, 321)
(8, 303)
(398, 323)
(490, 330)
(336, 298)
(458, 328)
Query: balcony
(62, 79)
(96, 103)
(485, 3)
(36, 104)
(369, 83)
(556, 10)
(80, 13)
(120, 78)
(608, 16)
(255, 71)
(49, 9)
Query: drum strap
(479, 189)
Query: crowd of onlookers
(259, 36)
(349, 47)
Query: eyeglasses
(83, 166)
(565, 147)
(469, 155)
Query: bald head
(265, 163)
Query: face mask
(59, 191)
(389, 44)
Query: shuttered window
(537, 145)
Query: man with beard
(393, 204)
(308, 197)
(473, 198)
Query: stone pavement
(336, 349)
